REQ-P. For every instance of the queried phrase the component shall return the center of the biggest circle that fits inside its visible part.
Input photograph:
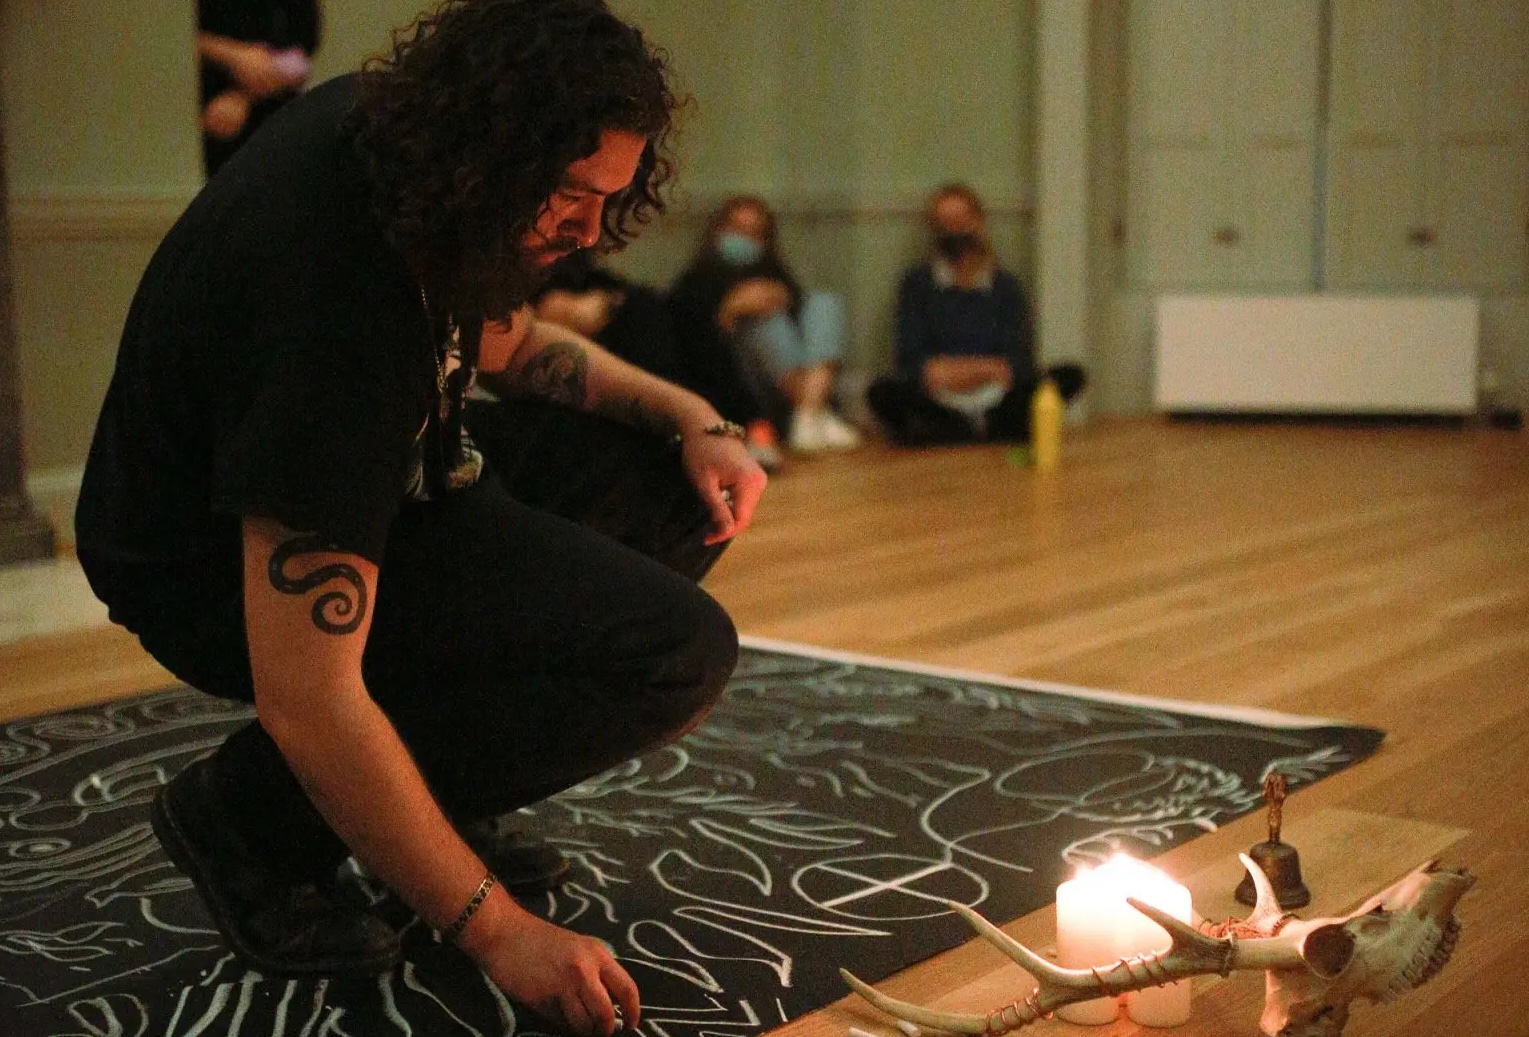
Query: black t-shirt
(278, 360)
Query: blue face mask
(738, 249)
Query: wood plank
(80, 668)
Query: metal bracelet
(726, 429)
(730, 429)
(452, 931)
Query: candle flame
(1124, 876)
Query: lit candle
(1096, 928)
(1165, 1005)
(1086, 924)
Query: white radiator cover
(1332, 354)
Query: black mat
(817, 819)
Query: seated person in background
(739, 304)
(965, 341)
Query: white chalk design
(823, 814)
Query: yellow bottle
(1046, 426)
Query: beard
(497, 288)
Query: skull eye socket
(1328, 950)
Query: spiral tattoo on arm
(335, 611)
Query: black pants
(912, 418)
(528, 633)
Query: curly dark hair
(469, 124)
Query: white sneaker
(838, 433)
(806, 435)
(815, 431)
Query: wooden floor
(1379, 575)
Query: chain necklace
(462, 464)
(435, 351)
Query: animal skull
(1396, 941)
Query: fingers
(732, 507)
(717, 502)
(624, 989)
(729, 484)
(577, 1016)
(585, 1006)
(595, 1006)
(746, 494)
(226, 114)
(606, 999)
(572, 981)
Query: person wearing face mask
(765, 352)
(965, 358)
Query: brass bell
(1278, 860)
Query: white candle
(1096, 928)
(1154, 1006)
(1086, 924)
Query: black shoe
(523, 864)
(277, 925)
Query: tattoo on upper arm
(336, 611)
(560, 373)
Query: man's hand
(572, 980)
(587, 312)
(728, 480)
(255, 68)
(502, 339)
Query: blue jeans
(781, 344)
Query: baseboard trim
(102, 216)
(54, 493)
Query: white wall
(95, 97)
(845, 116)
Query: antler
(1267, 916)
(1190, 954)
